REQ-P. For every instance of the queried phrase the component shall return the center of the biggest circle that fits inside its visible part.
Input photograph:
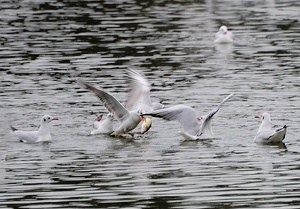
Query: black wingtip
(280, 129)
(13, 128)
(85, 85)
(80, 82)
(148, 114)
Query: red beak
(54, 118)
(257, 116)
(143, 118)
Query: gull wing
(269, 136)
(109, 101)
(27, 136)
(264, 136)
(139, 92)
(278, 135)
(185, 115)
(187, 136)
(207, 119)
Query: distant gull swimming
(224, 35)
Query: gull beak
(54, 118)
(257, 116)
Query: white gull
(129, 119)
(224, 35)
(265, 135)
(41, 135)
(139, 97)
(103, 125)
(187, 117)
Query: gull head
(98, 118)
(264, 117)
(223, 29)
(109, 116)
(48, 119)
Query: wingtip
(230, 95)
(13, 128)
(148, 114)
(283, 128)
(130, 70)
(131, 73)
(80, 82)
(85, 84)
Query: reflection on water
(45, 44)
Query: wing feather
(185, 115)
(139, 92)
(109, 101)
(207, 119)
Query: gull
(129, 119)
(187, 117)
(41, 135)
(139, 97)
(267, 136)
(97, 122)
(103, 125)
(224, 35)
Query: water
(46, 43)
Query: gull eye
(45, 119)
(48, 118)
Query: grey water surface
(45, 44)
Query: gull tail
(280, 129)
(283, 130)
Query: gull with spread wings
(187, 117)
(139, 97)
(129, 119)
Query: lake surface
(45, 44)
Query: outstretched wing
(207, 119)
(109, 101)
(185, 115)
(139, 92)
(27, 136)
